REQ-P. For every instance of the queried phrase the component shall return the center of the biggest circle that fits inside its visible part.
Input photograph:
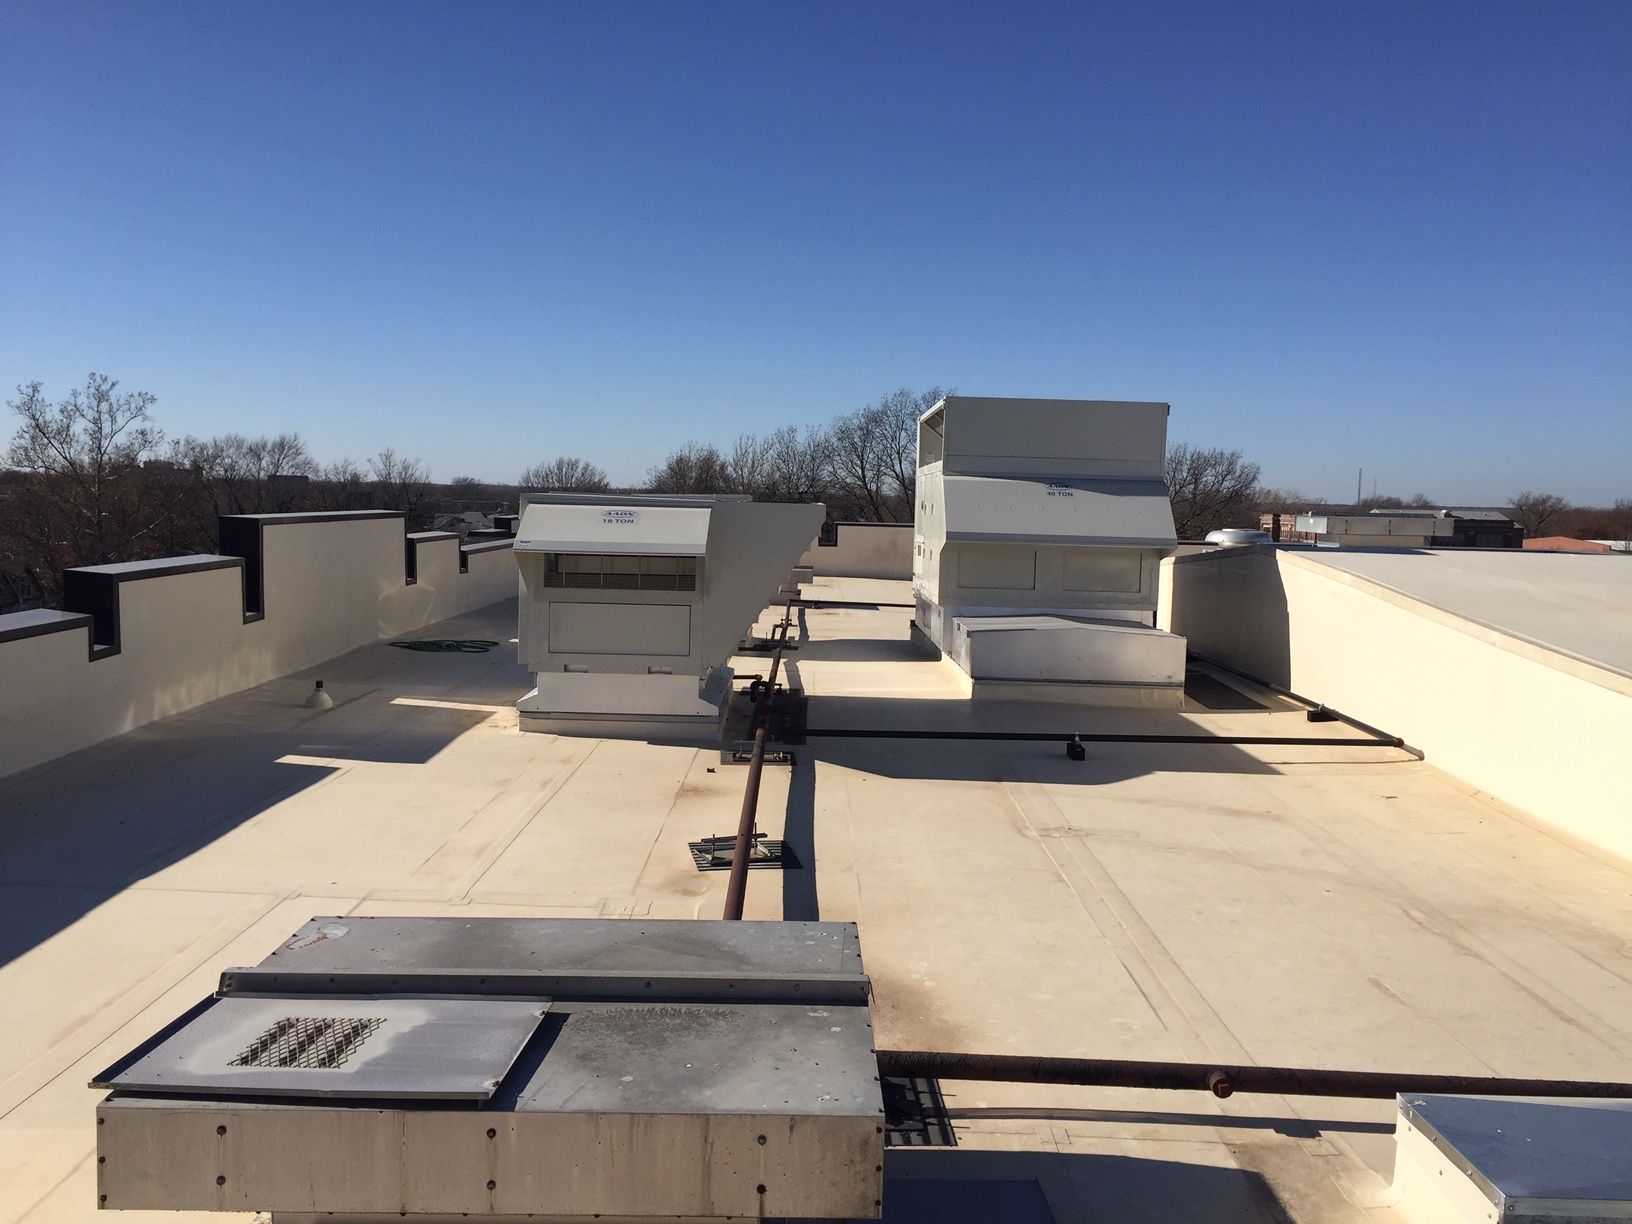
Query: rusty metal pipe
(736, 888)
(1221, 1080)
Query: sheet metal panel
(1120, 513)
(316, 1047)
(377, 1163)
(645, 530)
(1535, 1158)
(783, 950)
(606, 985)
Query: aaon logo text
(620, 518)
(1055, 489)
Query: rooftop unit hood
(663, 530)
(1079, 512)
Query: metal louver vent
(312, 1043)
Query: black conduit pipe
(1223, 1081)
(870, 605)
(1314, 706)
(1106, 737)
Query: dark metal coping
(600, 985)
(319, 516)
(834, 542)
(410, 552)
(40, 621)
(242, 535)
(484, 546)
(94, 591)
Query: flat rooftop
(1334, 907)
(1577, 604)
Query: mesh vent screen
(311, 1043)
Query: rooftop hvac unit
(1039, 530)
(631, 606)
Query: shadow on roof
(961, 1186)
(93, 823)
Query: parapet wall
(148, 639)
(1539, 730)
(863, 550)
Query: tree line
(91, 479)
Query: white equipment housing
(632, 605)
(1038, 536)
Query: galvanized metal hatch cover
(311, 1046)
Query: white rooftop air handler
(631, 606)
(1038, 535)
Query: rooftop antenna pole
(1359, 479)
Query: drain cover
(714, 853)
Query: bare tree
(861, 463)
(873, 453)
(402, 484)
(748, 465)
(784, 465)
(1536, 512)
(265, 475)
(90, 496)
(1209, 489)
(694, 468)
(565, 475)
(1621, 522)
(340, 486)
(901, 410)
(798, 465)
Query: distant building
(1463, 527)
(1567, 544)
(1377, 530)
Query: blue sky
(1333, 235)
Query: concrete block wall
(863, 550)
(150, 639)
(1540, 731)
